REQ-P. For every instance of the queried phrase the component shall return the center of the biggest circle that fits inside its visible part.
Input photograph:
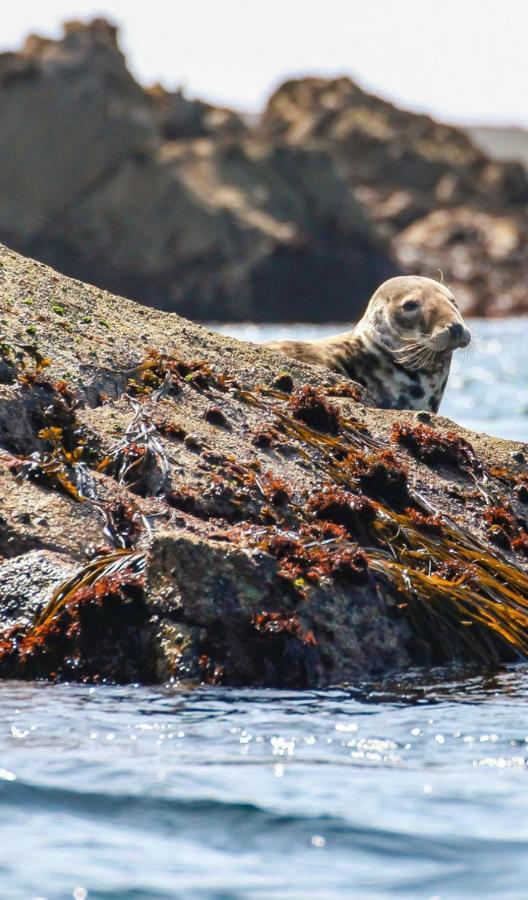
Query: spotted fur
(405, 312)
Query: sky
(460, 60)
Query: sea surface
(412, 788)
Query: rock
(178, 117)
(143, 540)
(28, 582)
(170, 201)
(481, 254)
(187, 207)
(70, 112)
(258, 232)
(441, 202)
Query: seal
(401, 348)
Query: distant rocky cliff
(186, 207)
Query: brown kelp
(59, 467)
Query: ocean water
(412, 788)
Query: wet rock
(27, 583)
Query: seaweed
(304, 558)
(116, 563)
(272, 623)
(437, 447)
(354, 512)
(274, 489)
(158, 369)
(407, 554)
(124, 523)
(366, 523)
(215, 416)
(91, 627)
(59, 468)
(421, 520)
(311, 407)
(139, 460)
(380, 475)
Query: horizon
(478, 81)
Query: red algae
(300, 560)
(431, 523)
(436, 447)
(311, 407)
(341, 507)
(276, 490)
(272, 623)
(380, 475)
(88, 636)
(505, 530)
(458, 572)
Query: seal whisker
(410, 357)
(409, 350)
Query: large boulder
(180, 505)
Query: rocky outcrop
(179, 117)
(70, 112)
(187, 207)
(180, 505)
(439, 200)
(171, 201)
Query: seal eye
(410, 305)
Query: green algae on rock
(180, 505)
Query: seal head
(401, 348)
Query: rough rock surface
(186, 207)
(177, 504)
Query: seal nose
(459, 335)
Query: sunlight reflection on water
(407, 788)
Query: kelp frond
(132, 562)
